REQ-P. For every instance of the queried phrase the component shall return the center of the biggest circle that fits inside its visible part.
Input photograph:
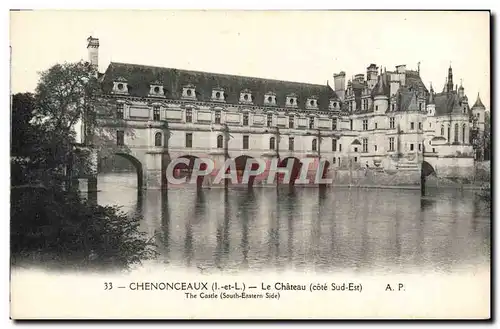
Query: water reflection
(309, 229)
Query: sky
(303, 46)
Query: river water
(309, 230)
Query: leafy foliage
(49, 222)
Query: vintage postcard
(170, 164)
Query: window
(448, 134)
(442, 130)
(334, 124)
(217, 117)
(411, 147)
(340, 147)
(120, 138)
(376, 125)
(158, 139)
(245, 142)
(339, 161)
(189, 115)
(391, 143)
(334, 145)
(156, 113)
(119, 111)
(220, 141)
(269, 120)
(376, 107)
(456, 132)
(189, 140)
(272, 142)
(314, 145)
(355, 159)
(375, 148)
(350, 106)
(365, 145)
(420, 125)
(291, 142)
(420, 106)
(412, 125)
(393, 107)
(334, 160)
(311, 122)
(463, 134)
(433, 150)
(291, 121)
(355, 149)
(245, 119)
(419, 147)
(391, 123)
(430, 125)
(350, 123)
(365, 124)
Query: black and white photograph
(232, 164)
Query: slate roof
(139, 78)
(478, 103)
(447, 103)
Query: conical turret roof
(478, 103)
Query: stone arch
(181, 170)
(297, 166)
(158, 139)
(240, 164)
(138, 167)
(427, 169)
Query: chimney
(93, 51)
(339, 84)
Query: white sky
(307, 46)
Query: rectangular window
(376, 125)
(311, 123)
(393, 107)
(375, 148)
(156, 113)
(391, 123)
(334, 124)
(355, 159)
(412, 125)
(334, 145)
(391, 143)
(269, 120)
(189, 140)
(419, 147)
(119, 111)
(411, 147)
(120, 138)
(340, 147)
(291, 142)
(420, 125)
(334, 160)
(217, 117)
(245, 119)
(433, 150)
(365, 124)
(189, 115)
(365, 145)
(376, 107)
(355, 149)
(245, 142)
(351, 124)
(291, 121)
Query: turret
(478, 110)
(380, 99)
(450, 80)
(461, 91)
(371, 75)
(431, 105)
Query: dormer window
(156, 89)
(120, 86)
(312, 102)
(246, 97)
(333, 104)
(270, 98)
(218, 95)
(189, 92)
(291, 100)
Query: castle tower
(431, 104)
(93, 51)
(371, 75)
(478, 111)
(380, 99)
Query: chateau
(385, 120)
